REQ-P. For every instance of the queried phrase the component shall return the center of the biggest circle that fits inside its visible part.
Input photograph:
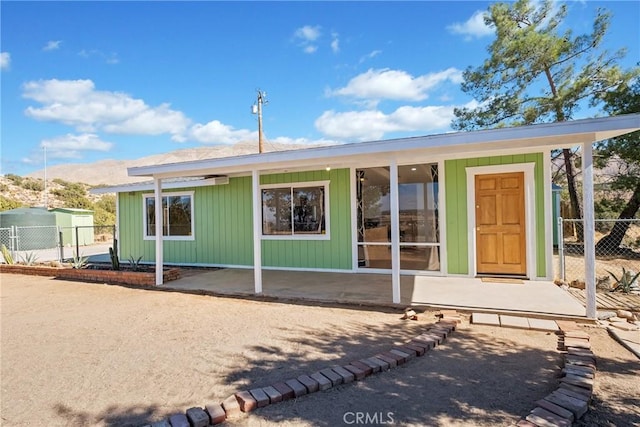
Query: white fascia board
(148, 186)
(542, 136)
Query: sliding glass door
(418, 217)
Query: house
(457, 204)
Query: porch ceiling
(451, 145)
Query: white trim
(442, 218)
(117, 231)
(257, 231)
(148, 186)
(353, 201)
(146, 196)
(394, 207)
(300, 236)
(529, 208)
(548, 214)
(533, 137)
(589, 231)
(157, 191)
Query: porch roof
(539, 136)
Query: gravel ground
(77, 354)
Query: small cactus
(113, 254)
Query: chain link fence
(611, 256)
(38, 244)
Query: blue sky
(122, 80)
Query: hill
(116, 170)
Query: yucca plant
(625, 282)
(134, 263)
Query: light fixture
(328, 168)
(413, 169)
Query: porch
(529, 298)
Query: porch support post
(157, 193)
(589, 229)
(257, 232)
(394, 205)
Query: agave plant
(134, 263)
(625, 282)
(79, 261)
(29, 258)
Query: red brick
(445, 312)
(389, 355)
(581, 393)
(375, 367)
(525, 423)
(577, 342)
(384, 366)
(298, 388)
(418, 349)
(332, 376)
(443, 332)
(411, 352)
(368, 370)
(246, 401)
(568, 370)
(576, 334)
(578, 381)
(450, 321)
(580, 368)
(197, 417)
(357, 372)
(311, 384)
(428, 345)
(556, 409)
(391, 361)
(216, 413)
(323, 382)
(581, 352)
(273, 394)
(544, 418)
(567, 325)
(284, 390)
(347, 376)
(178, 420)
(260, 396)
(576, 406)
(231, 407)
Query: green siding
(326, 254)
(221, 215)
(223, 227)
(456, 205)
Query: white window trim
(327, 211)
(146, 196)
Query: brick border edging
(570, 401)
(246, 401)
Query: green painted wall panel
(328, 254)
(456, 207)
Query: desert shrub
(16, 179)
(8, 204)
(74, 195)
(32, 184)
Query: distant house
(458, 204)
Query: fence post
(14, 241)
(77, 243)
(561, 248)
(60, 245)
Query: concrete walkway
(542, 299)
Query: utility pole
(46, 196)
(257, 109)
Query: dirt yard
(76, 354)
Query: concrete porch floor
(533, 298)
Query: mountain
(114, 172)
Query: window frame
(301, 236)
(146, 196)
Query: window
(298, 210)
(177, 216)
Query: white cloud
(109, 58)
(77, 103)
(474, 27)
(374, 124)
(71, 146)
(5, 60)
(395, 84)
(335, 42)
(370, 55)
(52, 45)
(307, 36)
(216, 132)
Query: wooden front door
(500, 226)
